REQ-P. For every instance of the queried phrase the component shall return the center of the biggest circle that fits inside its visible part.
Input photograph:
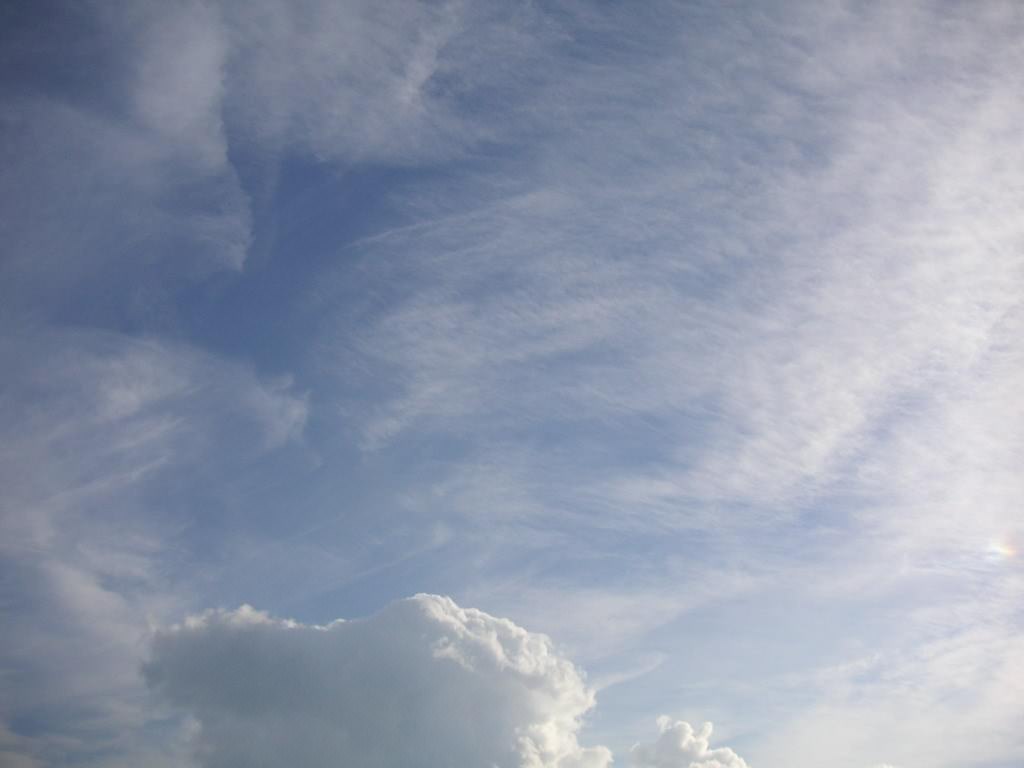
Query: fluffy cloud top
(424, 682)
(679, 746)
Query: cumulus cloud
(679, 746)
(424, 682)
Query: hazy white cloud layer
(687, 334)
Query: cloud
(105, 437)
(679, 746)
(424, 682)
(852, 278)
(392, 81)
(968, 674)
(693, 270)
(12, 754)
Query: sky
(513, 384)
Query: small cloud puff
(678, 746)
(424, 682)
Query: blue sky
(451, 383)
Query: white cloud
(103, 436)
(386, 80)
(654, 315)
(423, 682)
(833, 344)
(772, 342)
(679, 746)
(966, 678)
(179, 90)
